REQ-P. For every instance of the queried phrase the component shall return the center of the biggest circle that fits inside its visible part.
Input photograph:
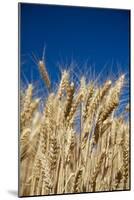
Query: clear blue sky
(99, 36)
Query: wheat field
(77, 143)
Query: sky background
(91, 37)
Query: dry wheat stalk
(44, 73)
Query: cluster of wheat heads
(56, 156)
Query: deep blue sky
(99, 36)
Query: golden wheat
(58, 157)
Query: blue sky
(98, 37)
